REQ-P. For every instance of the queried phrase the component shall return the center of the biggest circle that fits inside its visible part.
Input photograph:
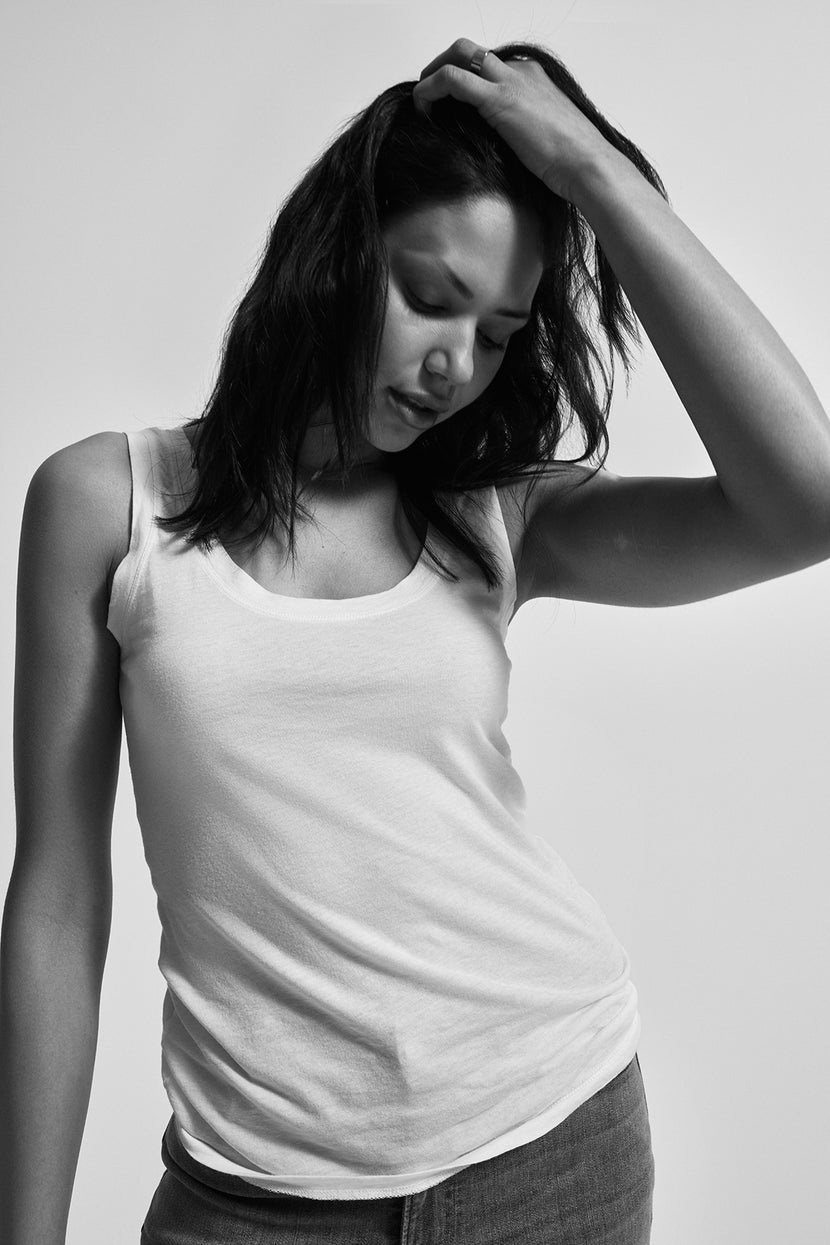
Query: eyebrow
(467, 293)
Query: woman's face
(462, 278)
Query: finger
(460, 54)
(459, 83)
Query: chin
(391, 435)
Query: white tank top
(377, 973)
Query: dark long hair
(307, 332)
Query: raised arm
(56, 919)
(662, 541)
(667, 541)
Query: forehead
(489, 239)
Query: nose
(453, 359)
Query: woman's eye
(491, 345)
(420, 305)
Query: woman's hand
(546, 130)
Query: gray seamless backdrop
(677, 758)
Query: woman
(392, 1013)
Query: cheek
(487, 367)
(406, 338)
(393, 342)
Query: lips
(411, 415)
(432, 405)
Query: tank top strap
(484, 512)
(501, 540)
(161, 472)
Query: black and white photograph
(417, 591)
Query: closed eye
(433, 309)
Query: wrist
(602, 173)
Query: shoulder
(84, 491)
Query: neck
(317, 458)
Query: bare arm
(56, 920)
(667, 541)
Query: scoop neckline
(238, 584)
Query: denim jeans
(589, 1181)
